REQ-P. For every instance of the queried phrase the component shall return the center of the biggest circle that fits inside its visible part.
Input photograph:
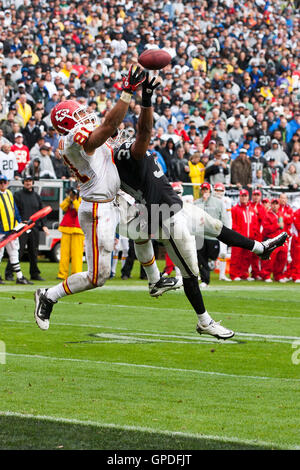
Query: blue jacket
(291, 128)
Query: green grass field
(120, 370)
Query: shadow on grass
(21, 433)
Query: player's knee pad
(104, 267)
(99, 271)
(102, 278)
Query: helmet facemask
(82, 117)
(121, 136)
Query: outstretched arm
(145, 121)
(114, 118)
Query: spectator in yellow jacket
(30, 52)
(196, 174)
(24, 110)
(72, 240)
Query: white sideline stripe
(91, 304)
(147, 366)
(248, 336)
(137, 287)
(164, 432)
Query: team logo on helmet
(61, 114)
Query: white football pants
(98, 222)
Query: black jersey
(143, 179)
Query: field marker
(135, 338)
(236, 440)
(147, 366)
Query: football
(154, 59)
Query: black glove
(148, 89)
(132, 80)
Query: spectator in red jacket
(273, 225)
(294, 269)
(260, 211)
(266, 203)
(181, 132)
(244, 221)
(286, 212)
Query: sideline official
(211, 246)
(29, 202)
(9, 218)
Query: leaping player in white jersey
(84, 149)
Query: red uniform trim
(95, 244)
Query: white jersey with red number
(97, 173)
(22, 156)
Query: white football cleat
(43, 309)
(268, 280)
(225, 278)
(237, 279)
(215, 329)
(203, 285)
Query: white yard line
(195, 339)
(144, 288)
(139, 307)
(227, 439)
(147, 366)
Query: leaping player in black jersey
(142, 178)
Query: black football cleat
(23, 280)
(271, 244)
(163, 285)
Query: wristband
(126, 97)
(146, 101)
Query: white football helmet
(121, 136)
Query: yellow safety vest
(7, 211)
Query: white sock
(123, 259)
(177, 272)
(258, 248)
(145, 254)
(222, 269)
(114, 263)
(204, 318)
(19, 275)
(74, 284)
